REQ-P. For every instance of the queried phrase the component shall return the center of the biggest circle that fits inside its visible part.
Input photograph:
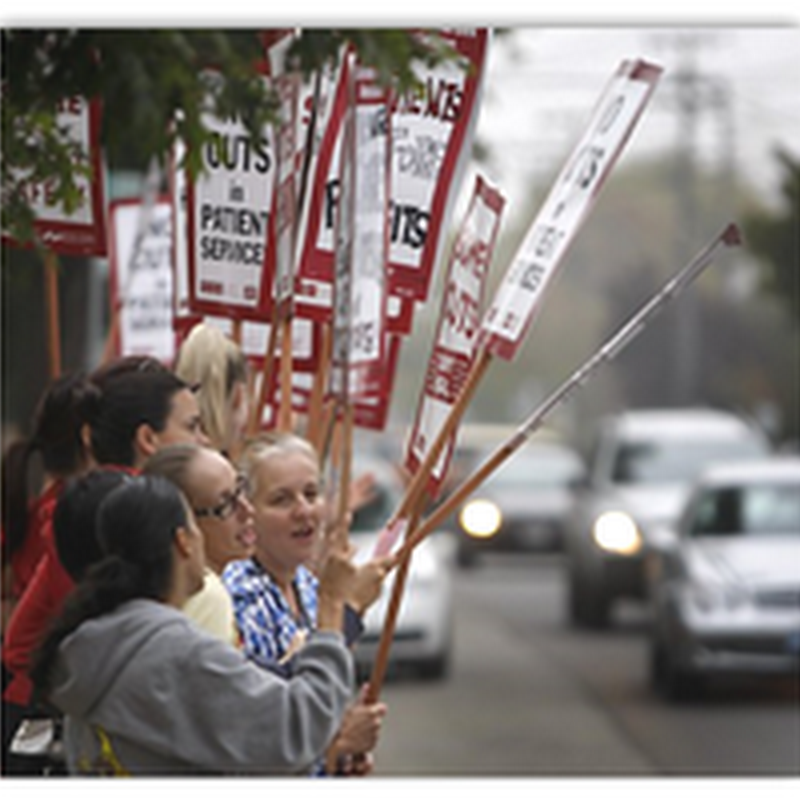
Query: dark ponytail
(136, 524)
(60, 416)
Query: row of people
(142, 425)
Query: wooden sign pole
(53, 316)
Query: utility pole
(692, 95)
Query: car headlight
(481, 518)
(616, 532)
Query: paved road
(529, 697)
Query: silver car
(523, 503)
(726, 583)
(423, 634)
(638, 476)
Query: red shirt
(33, 547)
(40, 603)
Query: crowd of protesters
(178, 598)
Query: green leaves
(154, 85)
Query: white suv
(639, 472)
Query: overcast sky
(542, 84)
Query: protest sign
(360, 288)
(566, 207)
(281, 290)
(453, 351)
(83, 231)
(230, 231)
(140, 278)
(431, 136)
(432, 133)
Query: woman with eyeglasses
(218, 499)
(167, 698)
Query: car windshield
(750, 510)
(548, 469)
(679, 460)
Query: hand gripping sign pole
(542, 251)
(729, 237)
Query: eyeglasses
(228, 504)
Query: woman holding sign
(167, 698)
(276, 594)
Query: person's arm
(225, 714)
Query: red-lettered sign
(373, 412)
(566, 208)
(453, 352)
(431, 141)
(83, 232)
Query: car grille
(778, 598)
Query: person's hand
(357, 736)
(363, 490)
(337, 573)
(367, 583)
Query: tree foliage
(143, 78)
(774, 237)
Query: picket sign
(284, 220)
(361, 246)
(432, 131)
(230, 231)
(451, 359)
(83, 231)
(518, 297)
(432, 136)
(570, 200)
(138, 231)
(79, 233)
(453, 351)
(140, 279)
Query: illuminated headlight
(481, 518)
(616, 532)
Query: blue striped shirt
(263, 616)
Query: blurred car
(423, 635)
(523, 503)
(638, 476)
(726, 586)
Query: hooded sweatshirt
(146, 692)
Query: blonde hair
(269, 444)
(214, 363)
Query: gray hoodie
(145, 692)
